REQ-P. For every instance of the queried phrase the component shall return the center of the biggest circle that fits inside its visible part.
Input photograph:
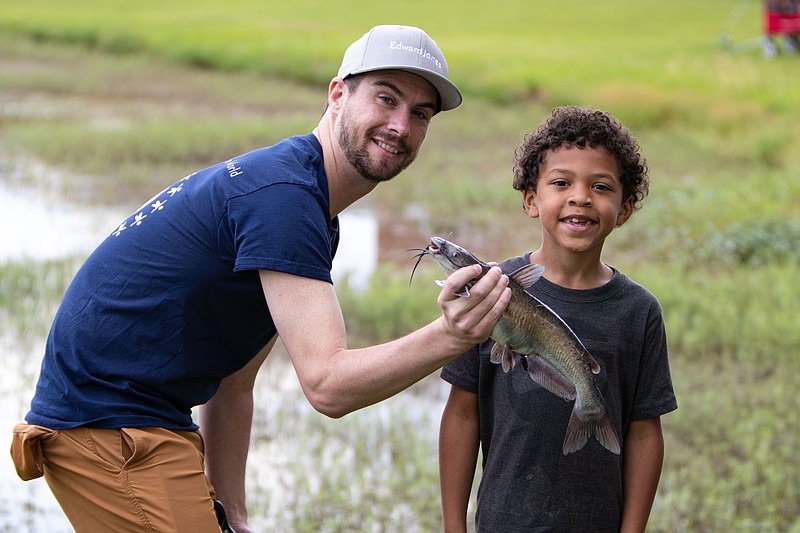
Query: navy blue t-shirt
(171, 302)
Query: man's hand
(241, 528)
(472, 318)
(229, 526)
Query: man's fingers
(456, 281)
(474, 317)
(496, 310)
(494, 296)
(493, 281)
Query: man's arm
(459, 439)
(337, 380)
(643, 456)
(225, 423)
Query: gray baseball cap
(406, 48)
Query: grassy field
(131, 96)
(506, 51)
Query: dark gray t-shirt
(527, 483)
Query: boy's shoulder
(619, 287)
(634, 289)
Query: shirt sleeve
(654, 392)
(464, 370)
(282, 227)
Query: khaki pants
(121, 480)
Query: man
(182, 303)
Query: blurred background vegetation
(130, 96)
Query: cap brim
(450, 95)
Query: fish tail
(580, 429)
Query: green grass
(112, 94)
(505, 52)
(29, 294)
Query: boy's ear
(625, 212)
(529, 203)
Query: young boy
(582, 175)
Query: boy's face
(578, 198)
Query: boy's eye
(604, 187)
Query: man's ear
(625, 212)
(336, 92)
(529, 203)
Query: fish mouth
(434, 249)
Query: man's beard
(360, 158)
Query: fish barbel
(553, 355)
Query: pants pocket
(26, 450)
(127, 444)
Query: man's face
(383, 122)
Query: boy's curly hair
(572, 126)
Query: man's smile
(388, 148)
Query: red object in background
(781, 17)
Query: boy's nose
(580, 197)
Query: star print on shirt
(137, 220)
(120, 229)
(158, 205)
(155, 204)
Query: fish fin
(527, 275)
(463, 292)
(593, 364)
(607, 435)
(502, 354)
(548, 377)
(579, 431)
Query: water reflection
(36, 225)
(357, 256)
